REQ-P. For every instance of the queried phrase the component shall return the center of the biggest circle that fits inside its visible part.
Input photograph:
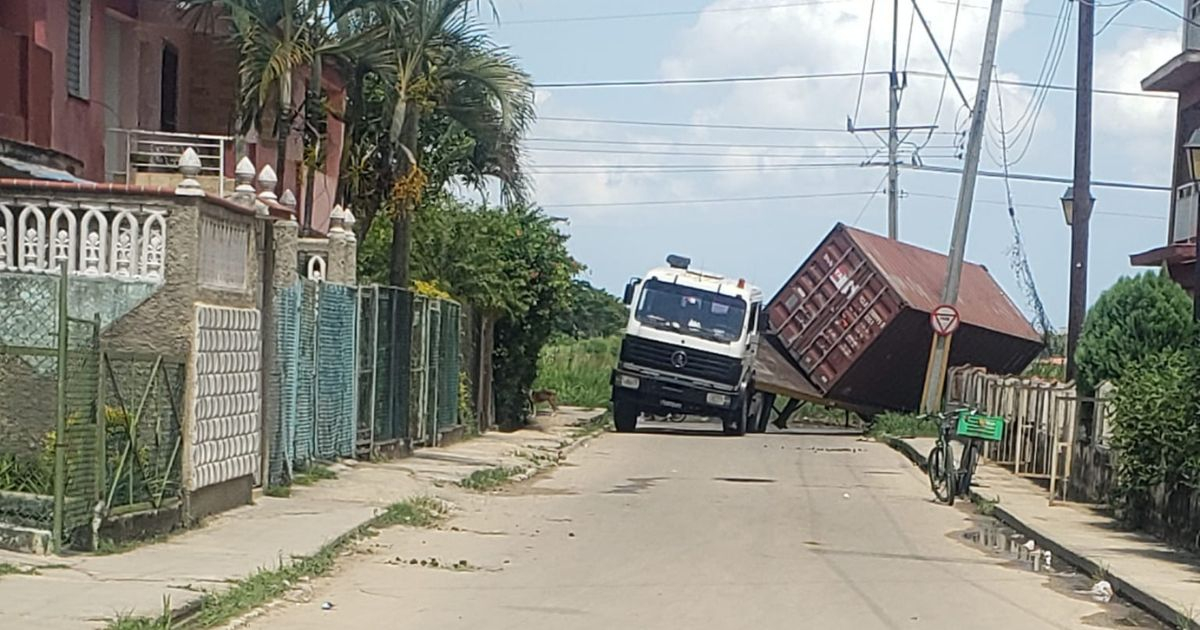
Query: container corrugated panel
(854, 318)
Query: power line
(673, 202)
(858, 154)
(996, 202)
(819, 76)
(738, 127)
(862, 77)
(1049, 179)
(874, 194)
(680, 143)
(706, 80)
(659, 14)
(558, 169)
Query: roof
(1182, 70)
(918, 275)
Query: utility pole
(893, 219)
(1081, 215)
(939, 355)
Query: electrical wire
(679, 143)
(878, 189)
(862, 78)
(738, 127)
(758, 156)
(679, 202)
(658, 14)
(706, 80)
(1054, 87)
(937, 114)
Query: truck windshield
(691, 311)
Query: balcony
(151, 158)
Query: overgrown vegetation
(593, 426)
(1137, 318)
(591, 312)
(489, 478)
(267, 585)
(312, 474)
(1157, 439)
(903, 425)
(578, 370)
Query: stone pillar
(343, 249)
(287, 244)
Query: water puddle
(1022, 554)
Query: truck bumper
(656, 395)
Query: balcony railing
(1184, 225)
(152, 157)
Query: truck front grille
(697, 364)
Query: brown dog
(547, 396)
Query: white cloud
(1143, 128)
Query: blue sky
(618, 235)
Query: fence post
(101, 425)
(60, 425)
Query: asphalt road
(693, 530)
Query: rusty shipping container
(854, 319)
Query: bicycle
(947, 480)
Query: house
(114, 90)
(1180, 75)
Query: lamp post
(1192, 150)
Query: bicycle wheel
(936, 467)
(949, 473)
(970, 462)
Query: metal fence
(51, 436)
(407, 385)
(313, 383)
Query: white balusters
(32, 227)
(7, 238)
(94, 239)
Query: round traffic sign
(944, 320)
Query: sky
(634, 193)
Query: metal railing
(159, 151)
(1184, 225)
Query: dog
(547, 396)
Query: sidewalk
(1141, 569)
(89, 590)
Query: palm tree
(277, 40)
(434, 63)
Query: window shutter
(78, 23)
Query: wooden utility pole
(1081, 215)
(893, 218)
(931, 397)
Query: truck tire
(737, 419)
(625, 416)
(760, 408)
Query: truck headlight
(719, 400)
(628, 382)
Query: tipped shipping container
(854, 319)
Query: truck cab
(689, 347)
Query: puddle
(997, 540)
(744, 479)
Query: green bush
(578, 371)
(1157, 434)
(1136, 318)
(903, 425)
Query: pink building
(112, 90)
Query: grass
(267, 585)
(903, 425)
(489, 478)
(279, 492)
(312, 475)
(110, 547)
(578, 370)
(984, 505)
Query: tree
(435, 66)
(591, 312)
(1137, 317)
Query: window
(79, 26)
(169, 110)
(690, 311)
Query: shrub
(1156, 435)
(1136, 318)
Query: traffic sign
(944, 320)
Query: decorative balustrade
(96, 239)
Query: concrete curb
(1164, 611)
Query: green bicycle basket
(979, 426)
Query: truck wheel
(756, 419)
(735, 423)
(625, 416)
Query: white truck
(689, 348)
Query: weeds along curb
(1164, 611)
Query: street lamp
(1192, 148)
(1068, 202)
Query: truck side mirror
(629, 289)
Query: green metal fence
(51, 435)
